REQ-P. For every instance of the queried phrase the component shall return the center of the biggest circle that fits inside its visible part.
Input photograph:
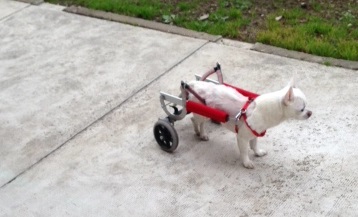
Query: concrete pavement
(79, 98)
(60, 73)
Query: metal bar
(171, 98)
(198, 77)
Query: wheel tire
(166, 135)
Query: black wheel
(166, 135)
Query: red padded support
(244, 92)
(201, 109)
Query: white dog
(266, 111)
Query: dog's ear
(289, 97)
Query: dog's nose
(309, 113)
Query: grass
(146, 9)
(304, 30)
(223, 21)
(312, 35)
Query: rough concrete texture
(59, 72)
(115, 167)
(9, 7)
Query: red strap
(253, 131)
(243, 114)
(246, 93)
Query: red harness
(252, 96)
(217, 115)
(242, 114)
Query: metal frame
(176, 101)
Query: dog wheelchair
(164, 131)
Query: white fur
(268, 110)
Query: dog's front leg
(244, 152)
(258, 152)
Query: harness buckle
(238, 116)
(241, 112)
(237, 119)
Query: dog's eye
(304, 106)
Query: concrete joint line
(4, 18)
(304, 56)
(141, 23)
(104, 115)
(33, 2)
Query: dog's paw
(248, 164)
(204, 138)
(260, 153)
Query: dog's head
(294, 103)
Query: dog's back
(218, 96)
